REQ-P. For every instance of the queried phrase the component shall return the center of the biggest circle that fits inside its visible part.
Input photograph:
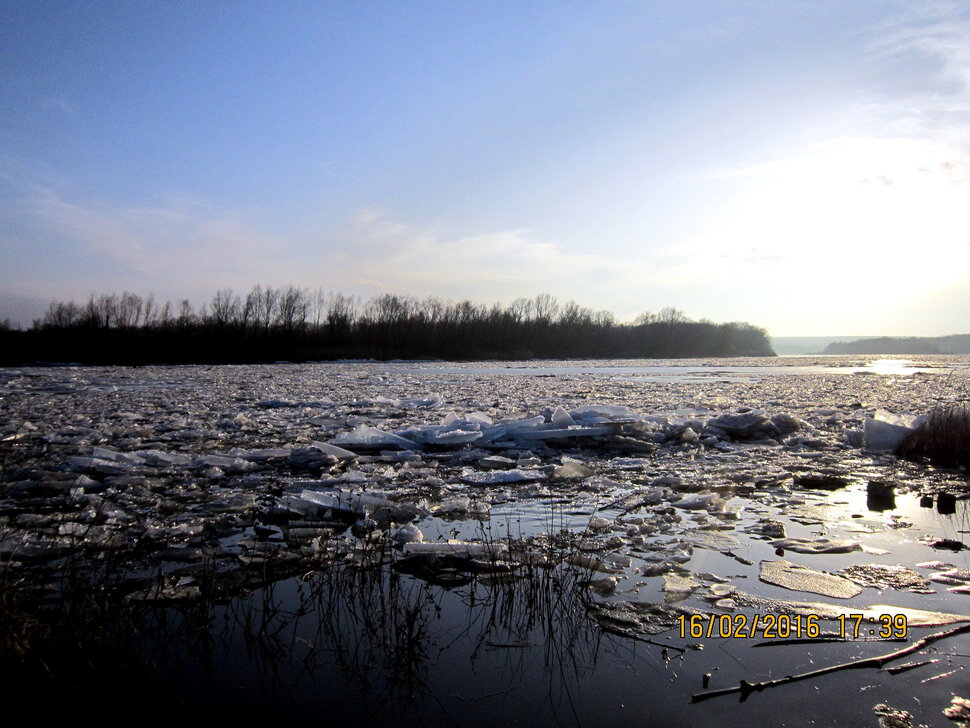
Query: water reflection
(346, 640)
(739, 369)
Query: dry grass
(943, 437)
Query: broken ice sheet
(817, 545)
(371, 438)
(801, 578)
(699, 501)
(603, 413)
(462, 506)
(494, 477)
(826, 610)
(677, 587)
(639, 618)
(882, 576)
(713, 540)
(331, 449)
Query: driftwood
(746, 688)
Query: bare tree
(224, 310)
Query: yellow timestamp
(884, 626)
(788, 626)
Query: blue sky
(804, 166)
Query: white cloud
(385, 254)
(183, 248)
(936, 102)
(179, 247)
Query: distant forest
(294, 324)
(955, 344)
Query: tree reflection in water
(368, 644)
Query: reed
(942, 437)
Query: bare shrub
(943, 437)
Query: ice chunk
(882, 576)
(515, 427)
(493, 477)
(602, 412)
(562, 418)
(351, 476)
(802, 578)
(678, 587)
(371, 438)
(103, 453)
(159, 457)
(885, 430)
(408, 533)
(630, 463)
(787, 423)
(428, 401)
(459, 504)
(378, 401)
(746, 425)
(266, 453)
(445, 436)
(817, 545)
(713, 540)
(618, 561)
(698, 501)
(350, 504)
(560, 433)
(571, 468)
(105, 467)
(496, 462)
(328, 449)
(871, 615)
(399, 456)
(460, 549)
(224, 462)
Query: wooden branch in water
(746, 688)
(909, 666)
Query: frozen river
(492, 543)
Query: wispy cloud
(183, 247)
(382, 253)
(931, 46)
(62, 104)
(176, 245)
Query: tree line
(296, 324)
(953, 344)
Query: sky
(802, 166)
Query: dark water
(378, 650)
(375, 647)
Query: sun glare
(886, 210)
